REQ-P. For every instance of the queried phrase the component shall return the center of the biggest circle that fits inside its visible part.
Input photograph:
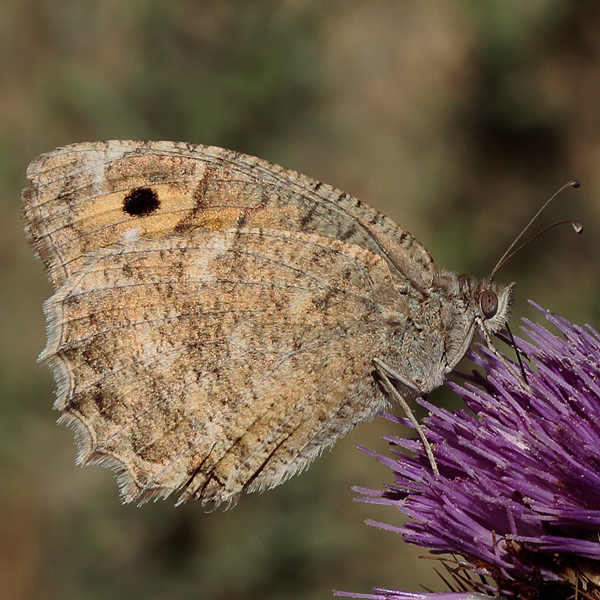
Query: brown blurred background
(456, 118)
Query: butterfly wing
(215, 315)
(218, 361)
(88, 196)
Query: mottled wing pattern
(75, 202)
(218, 338)
(219, 362)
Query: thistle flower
(518, 495)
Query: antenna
(510, 252)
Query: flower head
(518, 494)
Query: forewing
(77, 203)
(219, 361)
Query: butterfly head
(494, 303)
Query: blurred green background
(456, 118)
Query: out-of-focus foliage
(457, 119)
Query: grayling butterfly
(216, 316)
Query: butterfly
(216, 316)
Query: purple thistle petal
(383, 594)
(518, 495)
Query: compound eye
(489, 304)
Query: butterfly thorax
(442, 324)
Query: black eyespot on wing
(489, 304)
(141, 202)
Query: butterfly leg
(383, 370)
(490, 344)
